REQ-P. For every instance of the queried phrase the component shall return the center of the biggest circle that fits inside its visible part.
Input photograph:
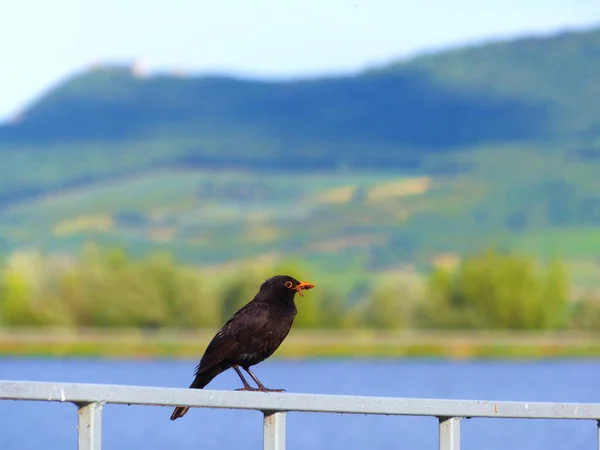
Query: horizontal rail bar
(281, 402)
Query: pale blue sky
(42, 41)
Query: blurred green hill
(402, 166)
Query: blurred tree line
(109, 288)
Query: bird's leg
(261, 387)
(246, 387)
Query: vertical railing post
(274, 432)
(89, 426)
(449, 433)
(598, 426)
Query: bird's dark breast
(259, 347)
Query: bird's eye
(288, 284)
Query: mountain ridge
(388, 105)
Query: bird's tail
(179, 412)
(199, 383)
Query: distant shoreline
(303, 343)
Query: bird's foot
(264, 389)
(248, 388)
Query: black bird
(251, 335)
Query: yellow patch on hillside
(258, 217)
(341, 194)
(338, 244)
(263, 233)
(401, 188)
(446, 261)
(162, 234)
(82, 224)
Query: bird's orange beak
(303, 285)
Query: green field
(343, 222)
(136, 344)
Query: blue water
(28, 425)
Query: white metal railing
(90, 398)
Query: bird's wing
(244, 324)
(213, 357)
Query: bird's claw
(264, 389)
(259, 389)
(248, 388)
